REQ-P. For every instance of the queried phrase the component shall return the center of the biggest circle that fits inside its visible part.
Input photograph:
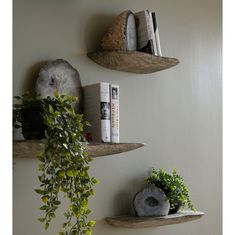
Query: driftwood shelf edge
(31, 149)
(146, 222)
(132, 61)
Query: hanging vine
(64, 163)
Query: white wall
(176, 112)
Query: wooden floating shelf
(132, 61)
(31, 148)
(146, 222)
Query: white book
(114, 100)
(156, 32)
(97, 112)
(146, 40)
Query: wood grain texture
(145, 222)
(31, 148)
(132, 61)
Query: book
(146, 41)
(97, 112)
(156, 32)
(114, 101)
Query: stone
(59, 75)
(121, 34)
(151, 201)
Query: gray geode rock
(61, 76)
(151, 201)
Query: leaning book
(146, 41)
(97, 112)
(114, 101)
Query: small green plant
(174, 188)
(27, 114)
(64, 163)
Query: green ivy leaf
(45, 199)
(41, 158)
(46, 226)
(88, 232)
(41, 219)
(94, 180)
(61, 174)
(56, 94)
(43, 207)
(74, 209)
(88, 211)
(51, 110)
(57, 202)
(69, 173)
(91, 223)
(39, 191)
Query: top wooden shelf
(132, 61)
(31, 148)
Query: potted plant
(64, 163)
(174, 188)
(27, 114)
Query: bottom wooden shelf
(145, 222)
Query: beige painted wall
(177, 112)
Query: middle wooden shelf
(32, 148)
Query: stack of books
(101, 110)
(148, 39)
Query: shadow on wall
(31, 77)
(97, 26)
(123, 202)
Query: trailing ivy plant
(64, 163)
(174, 188)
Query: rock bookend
(59, 75)
(151, 201)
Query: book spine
(151, 31)
(105, 111)
(114, 97)
(156, 32)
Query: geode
(151, 201)
(59, 75)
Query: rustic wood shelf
(132, 61)
(145, 222)
(31, 148)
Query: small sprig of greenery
(173, 186)
(64, 163)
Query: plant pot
(33, 126)
(179, 203)
(176, 209)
